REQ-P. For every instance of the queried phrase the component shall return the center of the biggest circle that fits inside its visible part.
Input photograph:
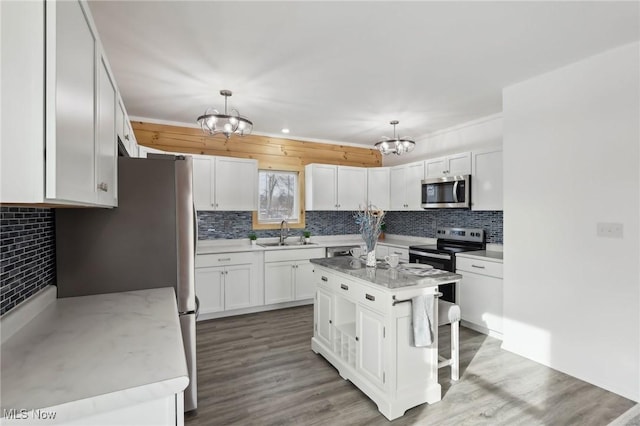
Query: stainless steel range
(442, 254)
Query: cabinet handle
(324, 279)
(344, 286)
(102, 186)
(369, 297)
(224, 259)
(477, 266)
(397, 252)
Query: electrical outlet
(609, 230)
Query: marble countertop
(493, 256)
(89, 354)
(382, 275)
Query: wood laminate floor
(259, 369)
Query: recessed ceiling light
(285, 130)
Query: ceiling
(340, 71)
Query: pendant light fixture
(213, 122)
(395, 145)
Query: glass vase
(371, 258)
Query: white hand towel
(422, 316)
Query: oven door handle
(433, 255)
(455, 191)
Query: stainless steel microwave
(447, 192)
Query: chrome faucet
(284, 231)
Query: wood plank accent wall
(270, 152)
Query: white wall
(484, 132)
(571, 160)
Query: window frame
(300, 224)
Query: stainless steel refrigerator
(148, 241)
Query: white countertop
(493, 256)
(84, 355)
(240, 245)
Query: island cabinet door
(370, 336)
(324, 316)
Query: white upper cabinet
(58, 107)
(352, 188)
(379, 187)
(329, 187)
(486, 182)
(106, 131)
(124, 131)
(321, 183)
(451, 165)
(225, 183)
(406, 186)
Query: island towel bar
(396, 301)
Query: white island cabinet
(369, 339)
(109, 359)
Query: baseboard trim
(19, 316)
(253, 310)
(627, 416)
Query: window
(278, 196)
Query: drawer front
(373, 299)
(223, 259)
(385, 250)
(324, 279)
(344, 288)
(281, 255)
(402, 252)
(492, 269)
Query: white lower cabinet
(324, 316)
(229, 281)
(288, 275)
(383, 250)
(371, 335)
(369, 341)
(167, 411)
(480, 295)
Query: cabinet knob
(126, 137)
(330, 322)
(357, 338)
(102, 186)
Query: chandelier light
(213, 122)
(395, 145)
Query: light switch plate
(609, 230)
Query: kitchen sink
(287, 244)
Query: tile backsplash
(216, 225)
(27, 245)
(425, 223)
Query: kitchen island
(363, 327)
(114, 359)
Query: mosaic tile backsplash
(216, 225)
(27, 245)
